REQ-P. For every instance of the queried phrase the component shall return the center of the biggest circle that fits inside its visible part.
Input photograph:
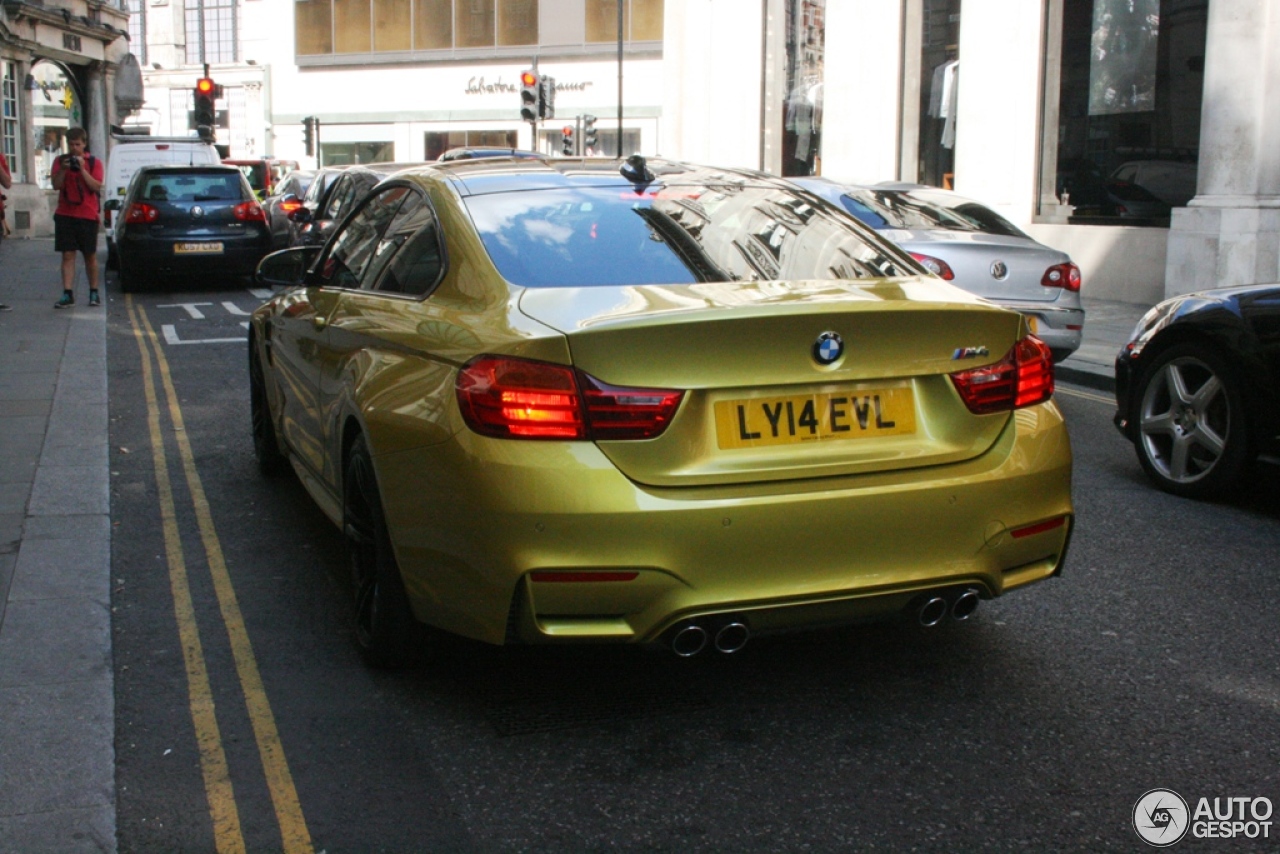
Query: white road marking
(190, 307)
(171, 337)
(262, 293)
(235, 309)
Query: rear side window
(192, 187)
(586, 237)
(359, 244)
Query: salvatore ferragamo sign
(480, 86)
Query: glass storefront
(939, 88)
(55, 107)
(438, 142)
(802, 111)
(1132, 76)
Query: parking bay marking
(170, 333)
(284, 796)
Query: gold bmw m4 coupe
(567, 401)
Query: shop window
(438, 142)
(348, 153)
(1126, 145)
(940, 86)
(55, 107)
(641, 20)
(802, 111)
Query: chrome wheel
(1190, 423)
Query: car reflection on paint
(559, 401)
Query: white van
(130, 152)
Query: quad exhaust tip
(693, 638)
(936, 608)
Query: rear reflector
(555, 577)
(1038, 528)
(523, 399)
(1024, 377)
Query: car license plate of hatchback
(821, 417)
(197, 249)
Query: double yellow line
(213, 760)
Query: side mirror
(286, 268)
(112, 205)
(302, 214)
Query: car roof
(175, 167)
(485, 175)
(481, 151)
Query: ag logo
(1161, 817)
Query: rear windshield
(923, 209)
(584, 237)
(192, 187)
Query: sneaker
(67, 301)
(93, 298)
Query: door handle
(319, 322)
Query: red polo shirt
(76, 199)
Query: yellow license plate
(829, 416)
(197, 249)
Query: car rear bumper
(1062, 328)
(548, 542)
(239, 255)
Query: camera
(70, 161)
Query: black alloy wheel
(384, 629)
(266, 444)
(1192, 434)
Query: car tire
(1191, 429)
(113, 259)
(266, 443)
(384, 623)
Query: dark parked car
(313, 225)
(973, 247)
(288, 198)
(1198, 388)
(189, 220)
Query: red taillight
(1038, 528)
(1024, 377)
(1065, 276)
(521, 399)
(935, 265)
(250, 212)
(141, 213)
(290, 207)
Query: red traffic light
(567, 130)
(204, 86)
(528, 78)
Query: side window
(355, 247)
(415, 253)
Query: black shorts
(72, 234)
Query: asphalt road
(1152, 663)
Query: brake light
(522, 399)
(1024, 377)
(935, 265)
(139, 212)
(1066, 276)
(250, 212)
(290, 207)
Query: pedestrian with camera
(77, 176)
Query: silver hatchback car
(974, 248)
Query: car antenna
(637, 171)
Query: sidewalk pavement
(57, 711)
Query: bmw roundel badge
(828, 348)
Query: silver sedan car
(974, 248)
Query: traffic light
(589, 138)
(547, 105)
(205, 116)
(566, 146)
(311, 134)
(530, 95)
